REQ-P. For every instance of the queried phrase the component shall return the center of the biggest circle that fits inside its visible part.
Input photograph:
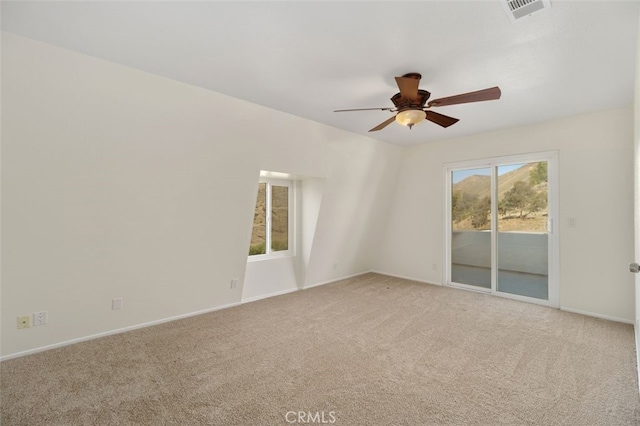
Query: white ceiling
(309, 58)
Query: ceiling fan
(411, 105)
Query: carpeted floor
(370, 350)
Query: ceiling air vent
(517, 9)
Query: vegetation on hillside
(526, 199)
(279, 220)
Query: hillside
(479, 187)
(279, 219)
(476, 185)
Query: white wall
(310, 200)
(118, 183)
(595, 186)
(272, 277)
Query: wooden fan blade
(480, 95)
(363, 109)
(383, 124)
(408, 87)
(442, 120)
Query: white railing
(517, 251)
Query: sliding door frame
(551, 157)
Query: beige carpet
(371, 350)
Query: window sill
(261, 257)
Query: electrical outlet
(40, 318)
(24, 322)
(234, 283)
(116, 304)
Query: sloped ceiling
(309, 58)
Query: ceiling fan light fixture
(410, 117)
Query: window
(272, 219)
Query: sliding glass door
(471, 227)
(523, 239)
(499, 233)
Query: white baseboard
(562, 308)
(335, 280)
(160, 321)
(111, 332)
(593, 314)
(266, 296)
(291, 290)
(278, 293)
(402, 277)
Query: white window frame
(270, 182)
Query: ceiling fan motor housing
(404, 103)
